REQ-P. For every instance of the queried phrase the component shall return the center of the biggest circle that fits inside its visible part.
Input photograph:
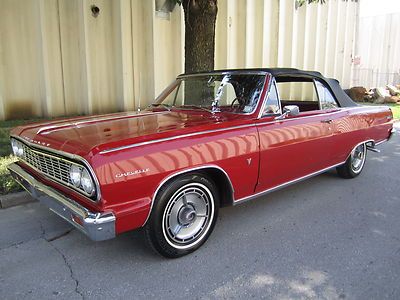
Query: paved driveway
(323, 238)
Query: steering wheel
(233, 102)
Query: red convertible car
(210, 140)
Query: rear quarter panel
(358, 124)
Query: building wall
(57, 59)
(378, 50)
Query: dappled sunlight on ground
(307, 284)
(378, 214)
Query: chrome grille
(50, 165)
(55, 166)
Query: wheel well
(223, 184)
(218, 176)
(366, 142)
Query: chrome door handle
(328, 121)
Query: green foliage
(7, 183)
(5, 127)
(300, 3)
(395, 110)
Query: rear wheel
(184, 215)
(355, 163)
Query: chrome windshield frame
(181, 77)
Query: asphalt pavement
(324, 238)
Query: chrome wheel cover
(358, 158)
(188, 215)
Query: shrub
(7, 183)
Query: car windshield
(236, 93)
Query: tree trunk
(200, 18)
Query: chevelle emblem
(35, 142)
(132, 173)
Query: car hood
(86, 136)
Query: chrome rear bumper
(392, 133)
(97, 226)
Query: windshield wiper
(195, 106)
(166, 106)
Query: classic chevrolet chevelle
(210, 140)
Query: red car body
(133, 154)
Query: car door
(293, 147)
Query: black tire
(354, 163)
(184, 215)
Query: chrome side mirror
(289, 110)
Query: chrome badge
(132, 173)
(35, 142)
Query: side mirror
(288, 110)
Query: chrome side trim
(174, 138)
(280, 186)
(299, 118)
(98, 226)
(204, 132)
(183, 172)
(72, 157)
(381, 142)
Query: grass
(396, 110)
(7, 184)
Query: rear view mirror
(289, 110)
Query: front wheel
(184, 215)
(355, 162)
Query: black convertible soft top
(291, 74)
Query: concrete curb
(15, 199)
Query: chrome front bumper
(97, 226)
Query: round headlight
(20, 150)
(75, 174)
(14, 145)
(17, 148)
(87, 182)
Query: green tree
(200, 19)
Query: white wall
(272, 33)
(57, 59)
(379, 48)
